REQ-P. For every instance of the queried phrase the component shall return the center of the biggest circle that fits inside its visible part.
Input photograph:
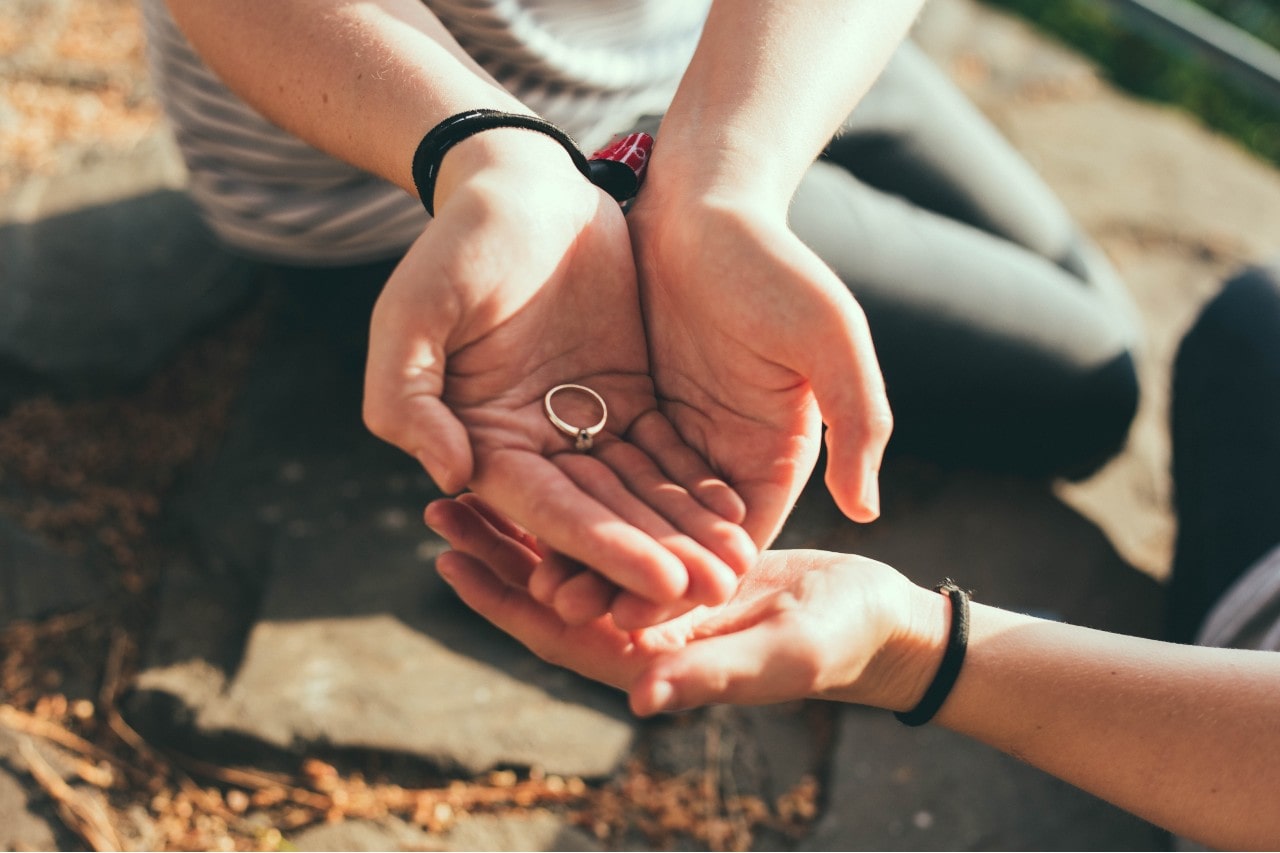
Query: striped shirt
(1248, 614)
(593, 67)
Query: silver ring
(584, 437)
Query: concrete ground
(299, 614)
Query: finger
(646, 486)
(769, 501)
(467, 531)
(502, 604)
(584, 598)
(535, 493)
(655, 435)
(748, 607)
(846, 381)
(499, 522)
(709, 579)
(630, 612)
(408, 413)
(552, 573)
(597, 651)
(654, 487)
(750, 667)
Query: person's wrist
(505, 162)
(900, 672)
(683, 183)
(719, 169)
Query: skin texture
(529, 278)
(1183, 736)
(471, 330)
(754, 342)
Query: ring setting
(584, 437)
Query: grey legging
(1005, 338)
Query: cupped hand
(802, 624)
(754, 343)
(510, 291)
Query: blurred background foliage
(1155, 69)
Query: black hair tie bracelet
(617, 169)
(949, 670)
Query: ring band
(584, 437)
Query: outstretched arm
(770, 83)
(754, 341)
(1183, 736)
(362, 81)
(752, 336)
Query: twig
(81, 814)
(256, 781)
(20, 721)
(112, 677)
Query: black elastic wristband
(617, 179)
(456, 128)
(952, 658)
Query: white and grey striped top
(592, 67)
(1248, 614)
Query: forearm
(1186, 737)
(769, 84)
(361, 81)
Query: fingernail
(720, 498)
(720, 588)
(446, 569)
(871, 492)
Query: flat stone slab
(21, 828)
(532, 831)
(895, 788)
(305, 614)
(359, 645)
(28, 817)
(105, 274)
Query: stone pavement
(300, 613)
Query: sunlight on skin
(474, 414)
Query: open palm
(493, 306)
(755, 343)
(801, 624)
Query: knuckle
(879, 421)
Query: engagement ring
(584, 437)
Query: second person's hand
(802, 624)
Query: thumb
(410, 414)
(441, 444)
(429, 431)
(846, 381)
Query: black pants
(1005, 338)
(1225, 423)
